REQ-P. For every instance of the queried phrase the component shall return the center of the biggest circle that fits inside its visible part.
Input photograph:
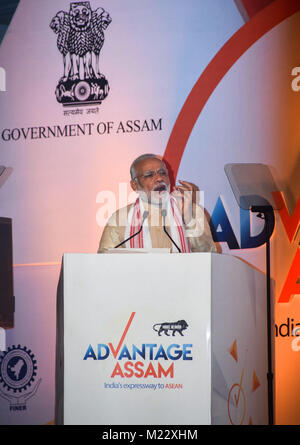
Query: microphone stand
(264, 212)
(164, 213)
(145, 214)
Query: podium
(161, 339)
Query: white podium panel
(158, 339)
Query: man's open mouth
(160, 188)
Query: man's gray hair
(139, 159)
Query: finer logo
(18, 370)
(2, 79)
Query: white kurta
(197, 231)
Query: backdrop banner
(85, 88)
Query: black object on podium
(252, 186)
(7, 299)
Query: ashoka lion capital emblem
(80, 37)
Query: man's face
(151, 178)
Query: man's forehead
(149, 163)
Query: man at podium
(158, 218)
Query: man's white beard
(155, 198)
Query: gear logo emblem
(18, 370)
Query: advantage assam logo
(141, 360)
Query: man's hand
(186, 195)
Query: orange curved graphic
(233, 350)
(231, 51)
(236, 404)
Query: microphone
(145, 215)
(164, 214)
